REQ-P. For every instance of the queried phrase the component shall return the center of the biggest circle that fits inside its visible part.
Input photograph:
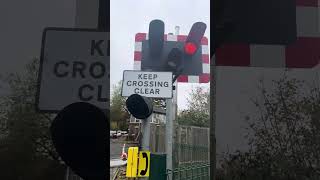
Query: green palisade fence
(194, 171)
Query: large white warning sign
(74, 67)
(148, 84)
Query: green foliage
(198, 109)
(161, 103)
(25, 142)
(284, 137)
(119, 114)
(113, 125)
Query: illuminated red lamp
(190, 48)
(193, 41)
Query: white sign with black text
(74, 67)
(148, 84)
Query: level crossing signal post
(181, 55)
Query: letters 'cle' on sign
(148, 84)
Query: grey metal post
(171, 113)
(145, 126)
(175, 99)
(169, 134)
(145, 144)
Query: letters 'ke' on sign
(74, 67)
(148, 84)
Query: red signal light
(190, 48)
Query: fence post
(179, 145)
(157, 137)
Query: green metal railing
(191, 162)
(194, 171)
(190, 154)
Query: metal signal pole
(145, 127)
(145, 145)
(171, 113)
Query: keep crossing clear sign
(74, 67)
(148, 84)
